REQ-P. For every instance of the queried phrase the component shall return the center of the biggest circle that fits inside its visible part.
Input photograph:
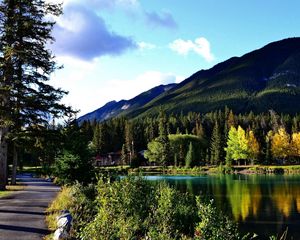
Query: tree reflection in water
(261, 203)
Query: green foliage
(258, 127)
(213, 225)
(163, 139)
(136, 209)
(216, 144)
(98, 141)
(122, 212)
(154, 152)
(174, 214)
(180, 144)
(190, 157)
(70, 168)
(237, 144)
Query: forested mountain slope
(267, 78)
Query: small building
(109, 159)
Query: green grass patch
(11, 189)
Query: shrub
(70, 168)
(123, 209)
(213, 225)
(134, 208)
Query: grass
(11, 189)
(290, 169)
(62, 201)
(244, 169)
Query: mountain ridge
(115, 108)
(266, 78)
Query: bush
(213, 225)
(133, 208)
(123, 209)
(174, 214)
(70, 168)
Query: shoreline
(170, 170)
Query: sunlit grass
(11, 189)
(62, 201)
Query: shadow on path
(22, 214)
(25, 229)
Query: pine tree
(163, 138)
(124, 155)
(26, 67)
(6, 80)
(215, 145)
(190, 158)
(129, 139)
(98, 139)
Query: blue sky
(116, 49)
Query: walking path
(22, 214)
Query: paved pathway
(22, 215)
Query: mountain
(114, 108)
(267, 78)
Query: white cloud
(146, 46)
(87, 93)
(81, 33)
(154, 78)
(200, 46)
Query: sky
(116, 49)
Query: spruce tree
(189, 159)
(215, 145)
(98, 139)
(163, 138)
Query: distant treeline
(215, 138)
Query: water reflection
(260, 203)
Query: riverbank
(248, 169)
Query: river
(264, 204)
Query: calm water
(263, 204)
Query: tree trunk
(3, 158)
(15, 165)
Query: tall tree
(295, 145)
(129, 141)
(163, 138)
(190, 157)
(280, 145)
(6, 79)
(237, 145)
(253, 146)
(98, 139)
(215, 144)
(26, 62)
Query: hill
(267, 78)
(114, 108)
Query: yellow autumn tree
(253, 146)
(280, 146)
(237, 145)
(295, 145)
